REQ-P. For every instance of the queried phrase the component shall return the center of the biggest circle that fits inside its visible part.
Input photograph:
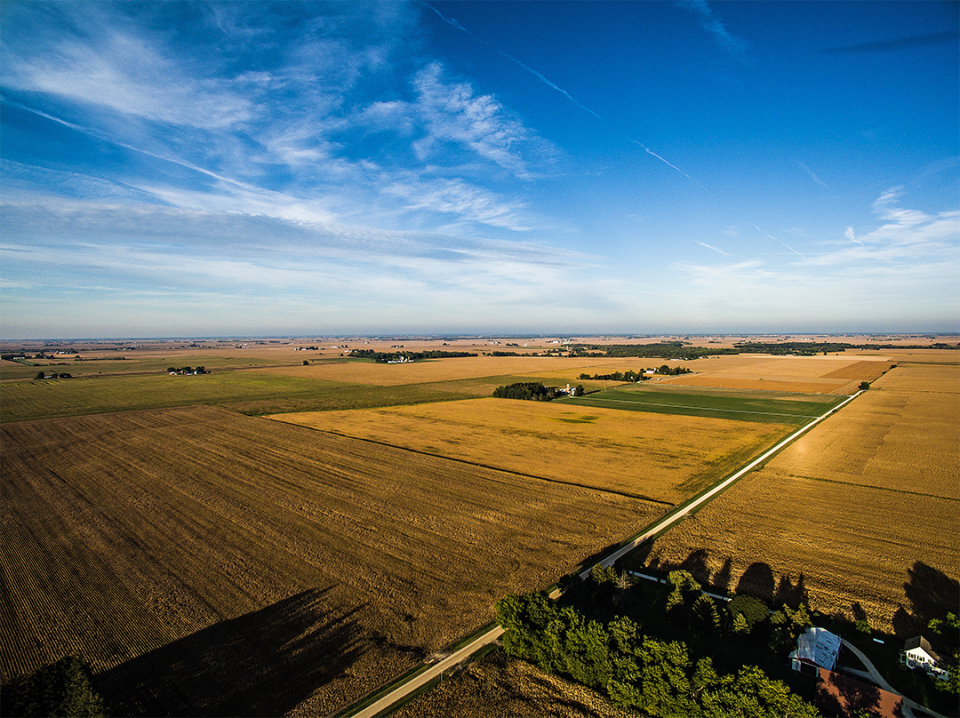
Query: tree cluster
(527, 390)
(54, 375)
(64, 688)
(186, 370)
(946, 633)
(387, 357)
(636, 671)
(662, 350)
(632, 376)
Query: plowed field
(658, 456)
(207, 563)
(862, 509)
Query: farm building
(917, 653)
(846, 696)
(817, 648)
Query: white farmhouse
(917, 653)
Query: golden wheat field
(208, 563)
(662, 457)
(865, 507)
(461, 368)
(833, 374)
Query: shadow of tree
(846, 696)
(931, 592)
(793, 595)
(696, 564)
(261, 664)
(757, 581)
(722, 579)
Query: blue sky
(197, 169)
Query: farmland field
(834, 374)
(739, 405)
(862, 510)
(177, 550)
(656, 456)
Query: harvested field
(463, 368)
(179, 550)
(862, 509)
(499, 686)
(834, 374)
(661, 457)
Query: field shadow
(931, 592)
(758, 580)
(261, 664)
(843, 695)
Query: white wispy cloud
(453, 112)
(715, 27)
(707, 246)
(816, 179)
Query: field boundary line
(637, 497)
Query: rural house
(917, 653)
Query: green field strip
(774, 410)
(705, 408)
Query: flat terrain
(665, 458)
(834, 374)
(862, 510)
(719, 404)
(177, 550)
(160, 529)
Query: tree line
(64, 688)
(635, 376)
(533, 391)
(658, 677)
(387, 357)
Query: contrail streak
(651, 152)
(453, 23)
(780, 241)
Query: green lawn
(744, 406)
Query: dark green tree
(64, 688)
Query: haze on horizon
(307, 168)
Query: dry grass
(864, 508)
(177, 550)
(498, 686)
(658, 456)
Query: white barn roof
(818, 646)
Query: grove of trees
(638, 671)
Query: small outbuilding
(816, 648)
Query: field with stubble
(861, 510)
(835, 374)
(180, 550)
(666, 458)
